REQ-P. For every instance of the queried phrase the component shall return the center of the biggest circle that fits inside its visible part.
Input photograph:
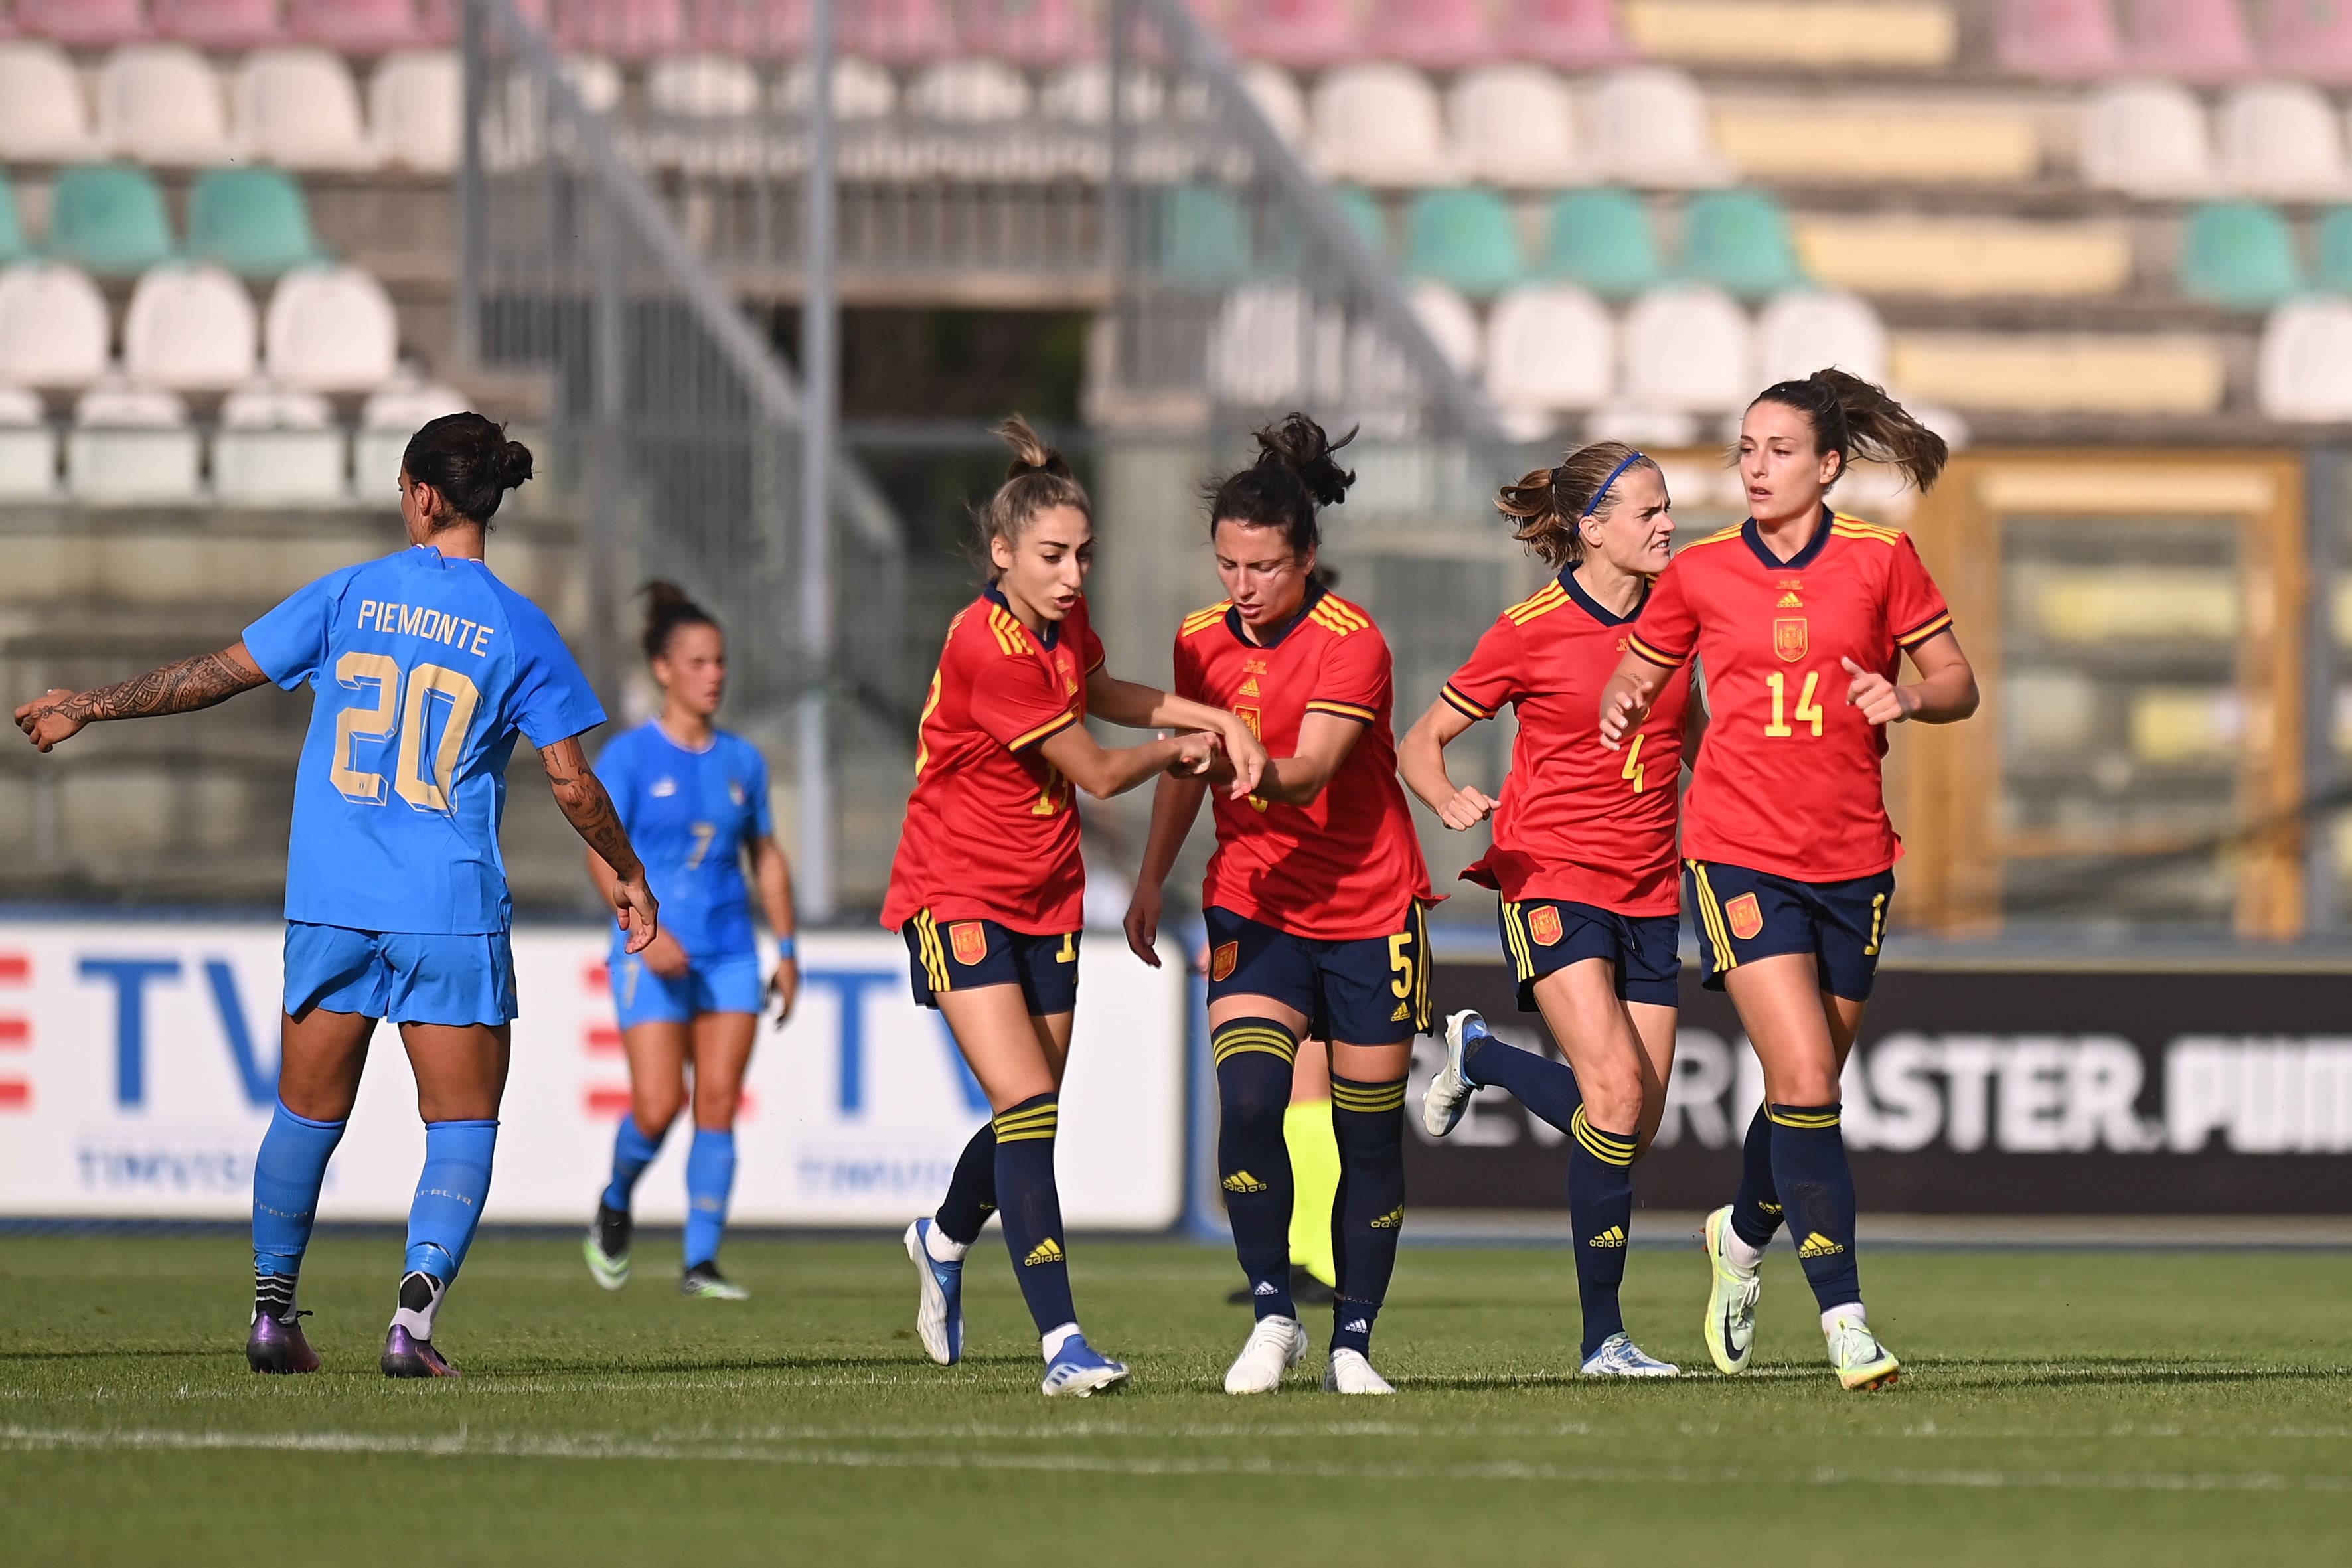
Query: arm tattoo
(590, 810)
(178, 688)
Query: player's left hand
(1196, 752)
(45, 725)
(784, 987)
(1881, 700)
(635, 908)
(1245, 754)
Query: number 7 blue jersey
(426, 666)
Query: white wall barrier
(138, 1064)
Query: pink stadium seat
(2308, 40)
(2195, 40)
(1305, 35)
(85, 24)
(1436, 35)
(751, 29)
(354, 26)
(621, 29)
(2063, 40)
(898, 32)
(222, 25)
(1569, 33)
(437, 19)
(1029, 32)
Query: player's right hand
(635, 908)
(1621, 712)
(1467, 809)
(1194, 752)
(1142, 924)
(1247, 754)
(667, 957)
(42, 721)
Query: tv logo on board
(130, 979)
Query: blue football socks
(971, 1190)
(710, 1177)
(1546, 1088)
(1756, 1205)
(449, 1195)
(286, 1174)
(1816, 1184)
(1368, 1121)
(1254, 1058)
(633, 1151)
(1031, 1209)
(1599, 1215)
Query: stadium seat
(751, 30)
(1080, 95)
(1304, 35)
(85, 24)
(1513, 125)
(28, 448)
(2089, 373)
(130, 445)
(1277, 98)
(436, 20)
(354, 26)
(1204, 236)
(1803, 141)
(1468, 239)
(1655, 430)
(14, 246)
(2331, 269)
(861, 91)
(109, 218)
(2064, 40)
(1651, 129)
(1549, 347)
(1965, 258)
(190, 328)
(331, 328)
(2307, 40)
(53, 326)
(1806, 330)
(623, 29)
(1436, 35)
(2239, 254)
(2282, 139)
(898, 32)
(254, 222)
(279, 448)
(2303, 370)
(1686, 349)
(162, 104)
(596, 79)
(301, 109)
(1740, 241)
(44, 116)
(970, 92)
(416, 111)
(1274, 344)
(1366, 216)
(221, 26)
(1381, 124)
(702, 87)
(391, 413)
(1450, 321)
(2194, 40)
(1602, 239)
(1574, 35)
(1030, 32)
(2146, 139)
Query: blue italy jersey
(690, 813)
(425, 668)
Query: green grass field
(2081, 1408)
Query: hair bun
(511, 464)
(1030, 453)
(1301, 445)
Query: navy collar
(1273, 638)
(1594, 608)
(1053, 632)
(1802, 558)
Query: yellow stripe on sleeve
(1467, 705)
(1655, 655)
(1343, 709)
(1060, 722)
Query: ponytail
(1547, 506)
(667, 609)
(1856, 418)
(1293, 478)
(1037, 480)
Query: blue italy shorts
(1364, 991)
(964, 955)
(1745, 915)
(1540, 935)
(725, 982)
(408, 977)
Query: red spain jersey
(1348, 866)
(1577, 820)
(990, 831)
(1788, 778)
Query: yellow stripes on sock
(1021, 1125)
(1710, 913)
(1369, 1099)
(1251, 1035)
(1609, 1147)
(1814, 1118)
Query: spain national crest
(1746, 919)
(1543, 924)
(1255, 719)
(967, 940)
(1221, 962)
(1789, 640)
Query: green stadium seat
(1204, 236)
(1740, 241)
(2335, 271)
(2239, 254)
(13, 246)
(1364, 214)
(108, 220)
(1466, 237)
(254, 222)
(1601, 239)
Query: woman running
(694, 800)
(1313, 900)
(426, 666)
(1584, 856)
(1787, 849)
(989, 890)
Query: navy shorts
(1745, 915)
(1366, 991)
(408, 977)
(1540, 935)
(964, 955)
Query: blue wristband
(785, 949)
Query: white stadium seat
(1080, 95)
(279, 448)
(970, 92)
(1550, 347)
(300, 109)
(1451, 323)
(2303, 369)
(1379, 124)
(28, 448)
(1686, 349)
(1273, 343)
(1275, 93)
(43, 115)
(393, 413)
(702, 87)
(190, 328)
(2148, 139)
(1651, 127)
(1515, 125)
(2280, 140)
(132, 444)
(416, 106)
(162, 104)
(331, 328)
(53, 326)
(596, 79)
(1651, 428)
(861, 91)
(1808, 329)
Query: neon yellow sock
(1315, 1182)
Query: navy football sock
(1600, 1213)
(633, 1151)
(971, 1191)
(1368, 1119)
(1546, 1088)
(1809, 1164)
(1253, 1056)
(1032, 1209)
(286, 1174)
(1756, 1207)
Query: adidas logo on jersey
(1790, 602)
(1390, 1220)
(1243, 1182)
(1249, 688)
(1047, 1251)
(1403, 1011)
(1818, 1246)
(1613, 1236)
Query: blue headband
(1601, 494)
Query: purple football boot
(405, 1355)
(277, 1345)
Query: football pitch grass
(2082, 1407)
